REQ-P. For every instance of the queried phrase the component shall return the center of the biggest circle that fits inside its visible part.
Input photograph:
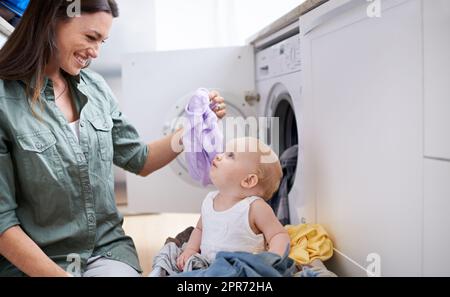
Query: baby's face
(231, 167)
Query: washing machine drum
(285, 134)
(281, 106)
(288, 125)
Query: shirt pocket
(37, 152)
(103, 125)
(37, 142)
(40, 170)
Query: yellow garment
(309, 242)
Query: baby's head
(248, 167)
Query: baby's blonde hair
(269, 170)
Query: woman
(60, 132)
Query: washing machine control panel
(278, 59)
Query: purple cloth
(202, 138)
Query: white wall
(182, 24)
(146, 25)
(132, 31)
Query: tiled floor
(149, 233)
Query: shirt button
(109, 254)
(39, 145)
(82, 123)
(91, 219)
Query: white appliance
(377, 93)
(168, 78)
(3, 38)
(278, 79)
(156, 87)
(5, 30)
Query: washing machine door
(280, 105)
(281, 100)
(156, 89)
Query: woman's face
(79, 39)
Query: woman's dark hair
(29, 48)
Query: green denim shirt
(61, 191)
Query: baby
(237, 217)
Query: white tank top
(75, 126)
(228, 230)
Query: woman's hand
(220, 108)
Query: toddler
(237, 217)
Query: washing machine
(278, 83)
(156, 88)
(258, 81)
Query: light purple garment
(202, 138)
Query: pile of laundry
(310, 246)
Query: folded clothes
(202, 138)
(309, 242)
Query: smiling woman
(56, 194)
(57, 204)
(34, 43)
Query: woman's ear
(249, 181)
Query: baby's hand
(185, 255)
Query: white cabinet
(363, 85)
(436, 218)
(437, 78)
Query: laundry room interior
(353, 96)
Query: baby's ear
(249, 181)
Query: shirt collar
(48, 83)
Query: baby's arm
(196, 237)
(193, 245)
(262, 215)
